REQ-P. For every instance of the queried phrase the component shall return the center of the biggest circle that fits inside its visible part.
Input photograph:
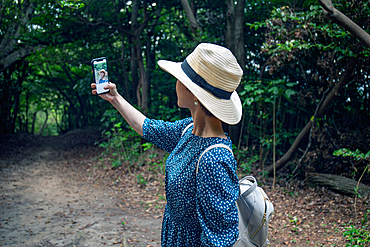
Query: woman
(200, 208)
(103, 76)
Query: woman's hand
(111, 95)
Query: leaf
(291, 84)
(289, 92)
(274, 90)
(367, 155)
(249, 101)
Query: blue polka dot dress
(201, 209)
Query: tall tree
(235, 42)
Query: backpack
(254, 208)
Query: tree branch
(14, 56)
(341, 19)
(8, 45)
(102, 23)
(334, 92)
(313, 121)
(191, 17)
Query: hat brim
(228, 111)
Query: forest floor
(55, 191)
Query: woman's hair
(208, 113)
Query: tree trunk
(143, 80)
(339, 184)
(150, 65)
(239, 24)
(45, 122)
(27, 108)
(33, 123)
(230, 20)
(334, 92)
(17, 92)
(125, 84)
(191, 17)
(142, 88)
(7, 101)
(235, 42)
(134, 63)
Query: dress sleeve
(217, 192)
(164, 135)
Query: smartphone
(100, 71)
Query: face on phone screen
(101, 75)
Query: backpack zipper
(266, 198)
(264, 216)
(259, 227)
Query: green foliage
(301, 46)
(123, 143)
(292, 55)
(293, 220)
(358, 236)
(123, 146)
(357, 155)
(141, 179)
(251, 161)
(291, 28)
(266, 91)
(158, 165)
(246, 163)
(75, 4)
(258, 97)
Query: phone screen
(100, 70)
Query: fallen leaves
(314, 218)
(303, 216)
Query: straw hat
(103, 70)
(212, 74)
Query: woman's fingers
(93, 85)
(110, 86)
(109, 96)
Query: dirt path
(43, 203)
(53, 192)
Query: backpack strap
(219, 145)
(186, 128)
(249, 178)
(252, 187)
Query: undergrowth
(357, 234)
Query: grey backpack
(254, 210)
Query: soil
(59, 191)
(50, 196)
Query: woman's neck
(206, 126)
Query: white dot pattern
(201, 209)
